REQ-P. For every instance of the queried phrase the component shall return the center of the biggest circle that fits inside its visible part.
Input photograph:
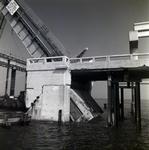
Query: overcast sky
(101, 25)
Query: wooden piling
(59, 117)
(122, 103)
(116, 104)
(135, 106)
(138, 104)
(109, 84)
(133, 97)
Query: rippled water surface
(92, 136)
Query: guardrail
(123, 57)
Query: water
(41, 135)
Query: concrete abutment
(49, 78)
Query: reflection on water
(92, 136)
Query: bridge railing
(123, 57)
(58, 59)
(46, 63)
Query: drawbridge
(40, 42)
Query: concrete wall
(50, 79)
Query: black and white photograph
(74, 74)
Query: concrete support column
(7, 76)
(109, 84)
(138, 104)
(13, 79)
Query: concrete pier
(49, 78)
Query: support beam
(13, 79)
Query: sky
(101, 25)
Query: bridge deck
(127, 67)
(113, 61)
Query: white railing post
(108, 58)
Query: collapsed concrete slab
(83, 107)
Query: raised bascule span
(40, 42)
(36, 37)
